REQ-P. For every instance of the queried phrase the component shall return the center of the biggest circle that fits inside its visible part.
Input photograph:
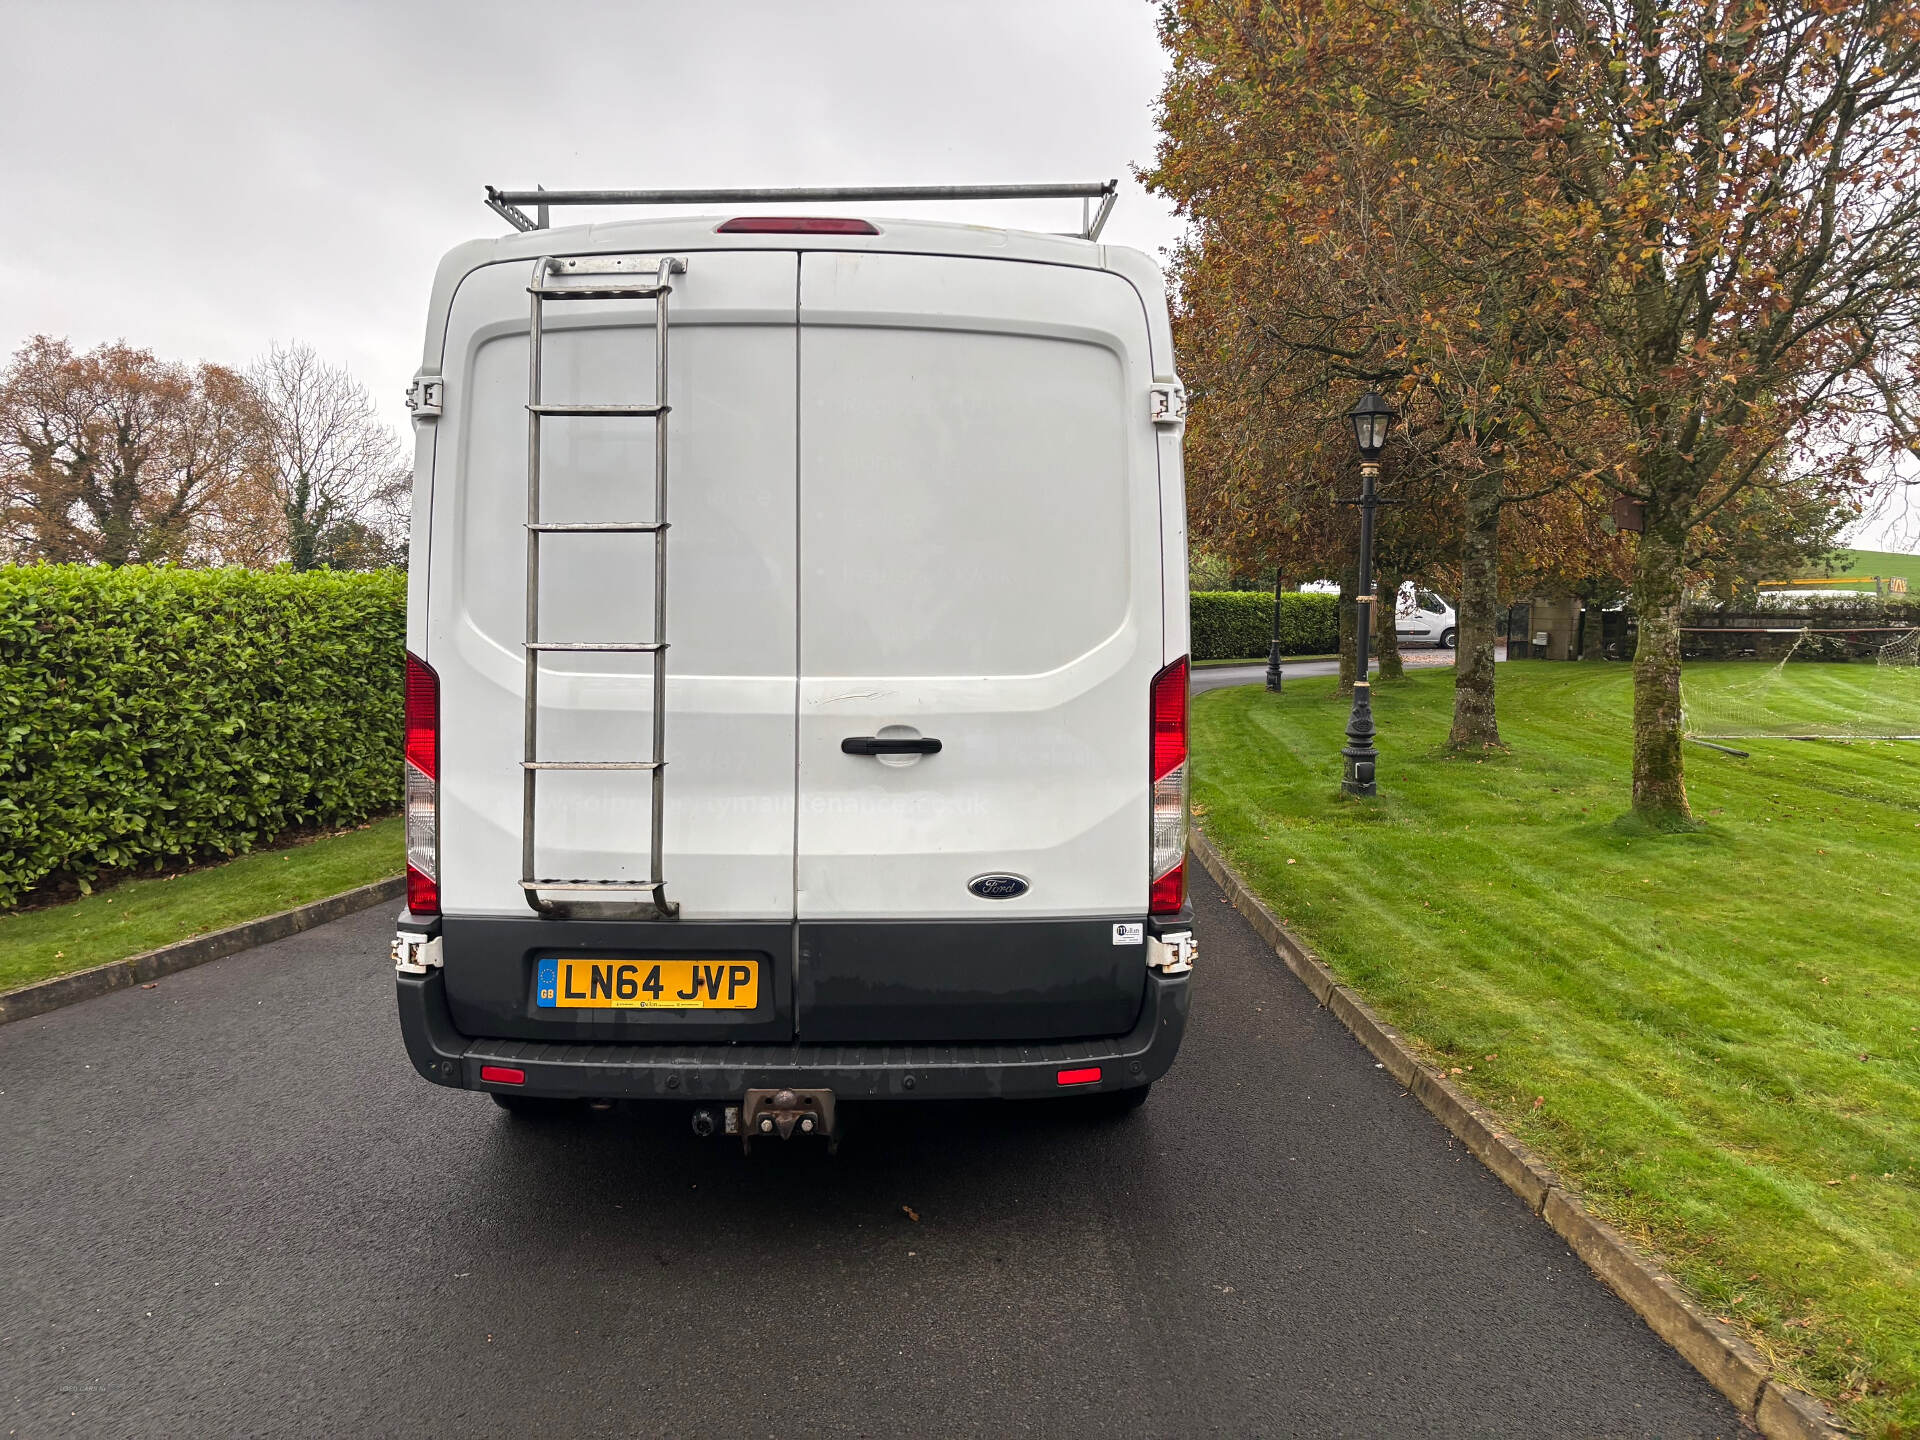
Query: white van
(1422, 617)
(797, 687)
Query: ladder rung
(601, 527)
(592, 764)
(617, 410)
(593, 884)
(601, 292)
(607, 646)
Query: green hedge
(1238, 624)
(153, 715)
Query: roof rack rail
(507, 203)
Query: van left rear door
(731, 668)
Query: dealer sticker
(1133, 934)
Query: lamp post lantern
(1371, 417)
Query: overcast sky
(203, 179)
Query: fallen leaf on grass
(910, 1212)
(1538, 1101)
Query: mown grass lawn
(140, 915)
(1869, 563)
(1714, 1036)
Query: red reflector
(423, 893)
(503, 1075)
(796, 225)
(1169, 891)
(1090, 1076)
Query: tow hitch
(784, 1113)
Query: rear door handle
(874, 745)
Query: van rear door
(979, 566)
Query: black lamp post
(1371, 417)
(1273, 647)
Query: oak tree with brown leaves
(1334, 246)
(1735, 222)
(115, 457)
(1665, 250)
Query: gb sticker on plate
(1130, 934)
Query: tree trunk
(1386, 629)
(1593, 632)
(1347, 645)
(1659, 775)
(1476, 726)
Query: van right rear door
(979, 566)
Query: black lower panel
(490, 963)
(864, 981)
(966, 981)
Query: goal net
(1798, 699)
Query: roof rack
(507, 203)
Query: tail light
(422, 795)
(1167, 890)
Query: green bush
(1238, 624)
(151, 715)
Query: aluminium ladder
(640, 285)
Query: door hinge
(415, 954)
(1172, 954)
(425, 396)
(1167, 404)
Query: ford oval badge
(997, 887)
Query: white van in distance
(1422, 617)
(797, 687)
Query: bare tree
(339, 473)
(115, 457)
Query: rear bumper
(1011, 1070)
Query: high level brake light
(796, 225)
(1167, 890)
(422, 794)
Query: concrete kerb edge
(63, 990)
(1724, 1360)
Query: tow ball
(781, 1114)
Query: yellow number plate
(648, 985)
